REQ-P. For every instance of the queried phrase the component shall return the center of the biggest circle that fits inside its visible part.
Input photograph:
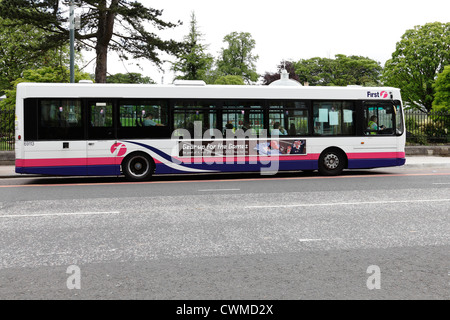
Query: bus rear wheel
(137, 167)
(332, 162)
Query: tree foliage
(420, 55)
(131, 77)
(230, 80)
(238, 59)
(193, 63)
(46, 74)
(341, 71)
(442, 91)
(19, 50)
(118, 25)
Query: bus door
(54, 137)
(380, 126)
(101, 155)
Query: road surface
(369, 234)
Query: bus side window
(291, 118)
(194, 115)
(139, 118)
(101, 115)
(333, 118)
(245, 115)
(60, 119)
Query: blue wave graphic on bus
(158, 152)
(171, 162)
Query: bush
(426, 130)
(432, 128)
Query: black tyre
(332, 162)
(138, 167)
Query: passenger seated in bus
(148, 121)
(228, 126)
(276, 130)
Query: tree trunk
(102, 63)
(104, 34)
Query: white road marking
(345, 203)
(310, 240)
(57, 214)
(209, 190)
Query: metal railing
(7, 130)
(426, 128)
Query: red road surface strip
(230, 180)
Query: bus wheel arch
(138, 166)
(332, 161)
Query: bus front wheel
(332, 162)
(137, 167)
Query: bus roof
(155, 91)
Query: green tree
(356, 70)
(420, 55)
(193, 63)
(19, 50)
(99, 28)
(341, 71)
(45, 74)
(230, 80)
(316, 71)
(237, 59)
(441, 100)
(131, 77)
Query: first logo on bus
(118, 149)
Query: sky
(293, 29)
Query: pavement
(8, 171)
